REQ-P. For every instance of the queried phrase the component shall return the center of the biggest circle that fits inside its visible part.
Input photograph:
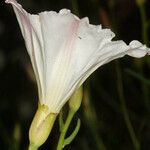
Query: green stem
(61, 122)
(92, 122)
(64, 130)
(145, 38)
(133, 137)
(32, 147)
(144, 23)
(99, 144)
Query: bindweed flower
(64, 51)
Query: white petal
(64, 11)
(24, 23)
(90, 40)
(109, 52)
(30, 28)
(65, 50)
(137, 49)
(59, 37)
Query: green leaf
(68, 140)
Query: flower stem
(144, 23)
(64, 130)
(91, 120)
(145, 39)
(133, 137)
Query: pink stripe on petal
(24, 23)
(27, 32)
(71, 40)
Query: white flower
(65, 50)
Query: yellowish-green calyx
(41, 126)
(76, 99)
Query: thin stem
(145, 39)
(92, 122)
(61, 122)
(64, 130)
(99, 144)
(144, 23)
(133, 137)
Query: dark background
(115, 90)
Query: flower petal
(30, 28)
(109, 52)
(137, 49)
(65, 50)
(90, 39)
(57, 32)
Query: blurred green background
(115, 113)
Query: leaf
(68, 140)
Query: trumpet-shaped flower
(65, 50)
